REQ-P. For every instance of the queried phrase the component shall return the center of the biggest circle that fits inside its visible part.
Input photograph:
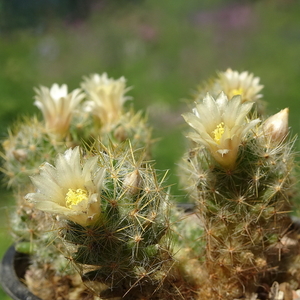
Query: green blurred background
(164, 48)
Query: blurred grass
(164, 49)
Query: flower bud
(20, 155)
(277, 126)
(132, 182)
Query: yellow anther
(74, 197)
(218, 132)
(235, 92)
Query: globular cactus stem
(114, 218)
(241, 176)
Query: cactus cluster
(92, 210)
(240, 174)
(69, 120)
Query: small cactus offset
(241, 177)
(114, 219)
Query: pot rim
(10, 280)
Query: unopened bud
(20, 155)
(277, 126)
(132, 182)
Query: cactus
(233, 83)
(66, 123)
(94, 213)
(25, 148)
(241, 178)
(114, 215)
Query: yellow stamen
(74, 197)
(218, 132)
(238, 91)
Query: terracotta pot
(12, 271)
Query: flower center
(74, 197)
(218, 132)
(238, 91)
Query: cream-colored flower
(276, 126)
(220, 126)
(106, 97)
(70, 188)
(233, 83)
(57, 106)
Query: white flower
(57, 106)
(276, 126)
(106, 97)
(233, 83)
(220, 126)
(70, 188)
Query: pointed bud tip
(276, 126)
(132, 182)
